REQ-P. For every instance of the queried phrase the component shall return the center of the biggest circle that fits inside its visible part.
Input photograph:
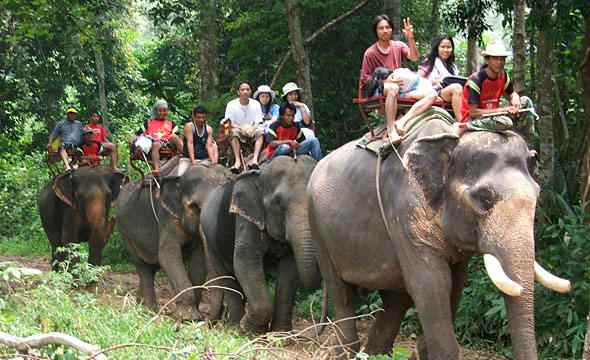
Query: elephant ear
(170, 196)
(246, 200)
(117, 182)
(62, 186)
(427, 162)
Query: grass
(51, 303)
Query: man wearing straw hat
(69, 132)
(481, 108)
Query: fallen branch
(42, 340)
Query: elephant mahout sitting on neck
(74, 207)
(259, 224)
(161, 229)
(448, 199)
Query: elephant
(410, 234)
(259, 224)
(160, 228)
(74, 207)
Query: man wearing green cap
(69, 132)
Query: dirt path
(128, 283)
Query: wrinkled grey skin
(457, 197)
(175, 237)
(76, 209)
(256, 225)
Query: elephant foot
(281, 327)
(188, 312)
(250, 328)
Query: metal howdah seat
(377, 102)
(50, 159)
(247, 149)
(165, 155)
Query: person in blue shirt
(270, 112)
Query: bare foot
(395, 138)
(400, 131)
(459, 128)
(156, 172)
(533, 153)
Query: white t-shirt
(241, 115)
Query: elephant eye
(483, 198)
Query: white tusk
(499, 277)
(551, 281)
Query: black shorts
(165, 144)
(68, 146)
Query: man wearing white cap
(69, 132)
(482, 92)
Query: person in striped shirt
(69, 132)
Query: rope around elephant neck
(378, 188)
(152, 201)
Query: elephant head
(274, 199)
(183, 197)
(479, 192)
(91, 191)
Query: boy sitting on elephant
(91, 151)
(285, 136)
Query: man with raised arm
(390, 53)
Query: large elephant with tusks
(409, 226)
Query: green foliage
(21, 178)
(397, 354)
(77, 271)
(567, 255)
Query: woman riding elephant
(74, 208)
(259, 224)
(161, 228)
(409, 226)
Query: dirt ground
(128, 284)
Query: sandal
(234, 170)
(253, 167)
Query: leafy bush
(561, 318)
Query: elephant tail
(324, 317)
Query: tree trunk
(586, 355)
(329, 25)
(393, 9)
(585, 75)
(299, 53)
(208, 51)
(101, 89)
(472, 55)
(518, 46)
(545, 107)
(434, 20)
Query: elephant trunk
(509, 251)
(96, 215)
(299, 235)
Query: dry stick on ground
(42, 340)
(324, 28)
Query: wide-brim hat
(264, 89)
(87, 130)
(71, 110)
(495, 48)
(289, 87)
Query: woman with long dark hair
(437, 65)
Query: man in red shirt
(482, 92)
(163, 133)
(101, 135)
(285, 136)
